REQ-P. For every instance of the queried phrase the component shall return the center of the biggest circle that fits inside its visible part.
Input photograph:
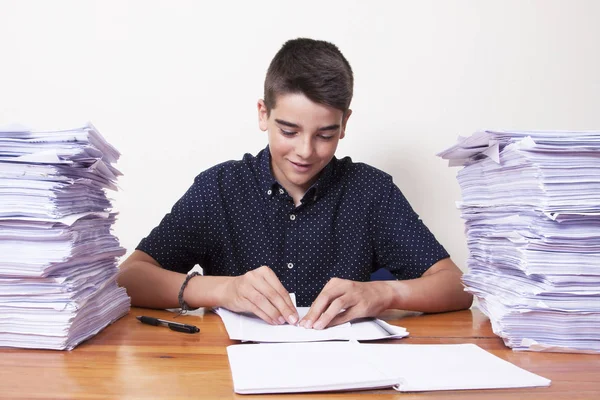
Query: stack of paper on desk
(250, 328)
(531, 202)
(57, 253)
(328, 366)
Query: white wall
(173, 84)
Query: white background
(174, 84)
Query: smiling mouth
(300, 165)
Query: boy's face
(303, 137)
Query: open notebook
(332, 366)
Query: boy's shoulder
(247, 166)
(361, 173)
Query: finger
(254, 291)
(330, 313)
(277, 308)
(260, 313)
(345, 316)
(258, 297)
(278, 296)
(330, 292)
(274, 281)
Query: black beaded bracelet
(182, 304)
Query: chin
(299, 182)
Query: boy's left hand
(356, 299)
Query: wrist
(184, 297)
(393, 293)
(224, 288)
(207, 291)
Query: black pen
(176, 326)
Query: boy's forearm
(436, 292)
(154, 287)
(150, 286)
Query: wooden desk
(130, 360)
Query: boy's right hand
(259, 291)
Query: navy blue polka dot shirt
(351, 222)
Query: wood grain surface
(130, 360)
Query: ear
(344, 122)
(263, 118)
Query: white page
(449, 367)
(248, 327)
(251, 328)
(307, 367)
(302, 367)
(375, 329)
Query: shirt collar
(268, 181)
(319, 188)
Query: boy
(295, 219)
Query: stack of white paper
(57, 253)
(531, 202)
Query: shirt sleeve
(177, 243)
(403, 244)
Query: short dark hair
(315, 68)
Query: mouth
(301, 167)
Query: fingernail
(308, 324)
(281, 320)
(319, 325)
(293, 319)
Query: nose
(304, 148)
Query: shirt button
(292, 217)
(290, 265)
(269, 192)
(281, 191)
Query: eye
(326, 137)
(287, 133)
